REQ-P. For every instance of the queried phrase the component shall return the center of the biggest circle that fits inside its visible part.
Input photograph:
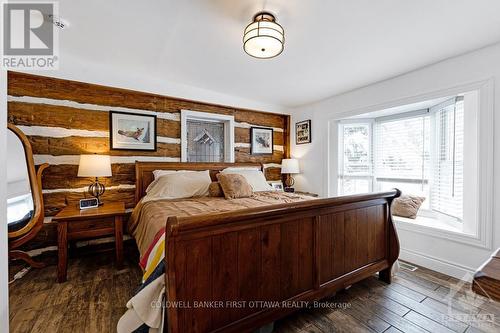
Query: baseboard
(439, 265)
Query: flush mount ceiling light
(264, 38)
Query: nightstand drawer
(90, 225)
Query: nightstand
(75, 224)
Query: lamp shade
(94, 166)
(264, 38)
(290, 165)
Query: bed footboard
(238, 271)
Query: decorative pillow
(407, 206)
(234, 186)
(214, 190)
(179, 185)
(254, 177)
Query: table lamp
(289, 166)
(95, 166)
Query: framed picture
(132, 131)
(261, 139)
(303, 132)
(277, 185)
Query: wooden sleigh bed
(283, 253)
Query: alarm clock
(89, 203)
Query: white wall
(4, 287)
(445, 255)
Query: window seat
(431, 222)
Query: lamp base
(97, 189)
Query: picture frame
(303, 132)
(132, 131)
(277, 185)
(261, 141)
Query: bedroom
(256, 148)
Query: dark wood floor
(94, 297)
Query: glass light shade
(290, 166)
(264, 38)
(94, 166)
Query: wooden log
(65, 176)
(260, 118)
(273, 173)
(243, 155)
(46, 87)
(47, 115)
(29, 114)
(76, 145)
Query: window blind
(355, 162)
(448, 173)
(402, 149)
(402, 155)
(356, 148)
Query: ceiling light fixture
(264, 38)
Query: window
(206, 137)
(18, 207)
(419, 152)
(356, 163)
(205, 141)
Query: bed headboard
(144, 171)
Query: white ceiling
(331, 46)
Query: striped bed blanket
(145, 310)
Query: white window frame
(228, 122)
(480, 232)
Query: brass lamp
(95, 166)
(289, 166)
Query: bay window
(420, 152)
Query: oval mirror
(20, 207)
(24, 194)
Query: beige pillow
(407, 206)
(234, 186)
(214, 190)
(158, 173)
(179, 185)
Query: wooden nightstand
(74, 224)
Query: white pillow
(254, 177)
(158, 173)
(179, 185)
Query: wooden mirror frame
(29, 231)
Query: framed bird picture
(132, 131)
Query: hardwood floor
(93, 299)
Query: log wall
(64, 119)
